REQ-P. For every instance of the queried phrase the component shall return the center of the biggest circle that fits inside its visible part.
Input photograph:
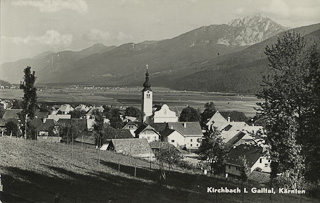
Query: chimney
(44, 120)
(229, 119)
(184, 124)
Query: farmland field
(176, 100)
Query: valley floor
(35, 171)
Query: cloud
(124, 3)
(124, 37)
(278, 7)
(96, 35)
(51, 6)
(51, 37)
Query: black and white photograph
(116, 101)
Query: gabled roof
(36, 122)
(133, 146)
(217, 120)
(123, 133)
(159, 126)
(45, 126)
(11, 114)
(140, 128)
(186, 128)
(166, 132)
(132, 123)
(236, 138)
(251, 153)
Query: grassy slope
(38, 171)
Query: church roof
(147, 84)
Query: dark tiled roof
(166, 132)
(45, 126)
(133, 146)
(124, 133)
(159, 126)
(36, 122)
(140, 128)
(251, 153)
(186, 128)
(11, 113)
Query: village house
(120, 134)
(132, 147)
(255, 157)
(65, 108)
(173, 137)
(147, 132)
(131, 126)
(191, 131)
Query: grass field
(177, 100)
(36, 172)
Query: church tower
(147, 99)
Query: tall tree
(209, 111)
(288, 93)
(214, 151)
(135, 112)
(30, 96)
(189, 114)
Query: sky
(30, 27)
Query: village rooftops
(250, 152)
(132, 147)
(11, 114)
(186, 128)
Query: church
(161, 124)
(151, 114)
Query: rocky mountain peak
(252, 30)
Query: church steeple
(147, 84)
(146, 106)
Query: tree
(1, 111)
(77, 113)
(289, 105)
(244, 170)
(115, 120)
(170, 155)
(135, 112)
(12, 128)
(189, 114)
(68, 132)
(30, 96)
(214, 150)
(209, 111)
(107, 111)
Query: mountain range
(228, 57)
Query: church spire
(147, 84)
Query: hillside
(238, 72)
(36, 172)
(48, 64)
(125, 65)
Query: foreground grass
(38, 172)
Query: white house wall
(176, 139)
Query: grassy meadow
(177, 100)
(34, 171)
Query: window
(197, 145)
(190, 145)
(172, 140)
(229, 167)
(190, 140)
(260, 160)
(266, 165)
